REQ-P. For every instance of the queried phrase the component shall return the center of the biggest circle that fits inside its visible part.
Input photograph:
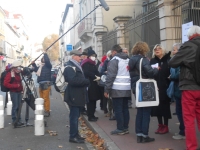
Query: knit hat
(16, 63)
(90, 52)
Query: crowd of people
(122, 72)
(84, 73)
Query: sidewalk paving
(129, 142)
(24, 138)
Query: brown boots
(162, 129)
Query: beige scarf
(40, 69)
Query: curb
(108, 143)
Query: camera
(27, 71)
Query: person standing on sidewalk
(13, 82)
(140, 49)
(125, 50)
(75, 94)
(162, 111)
(91, 72)
(185, 58)
(44, 78)
(119, 88)
(174, 76)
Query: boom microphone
(104, 5)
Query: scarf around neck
(40, 69)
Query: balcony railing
(84, 27)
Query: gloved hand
(97, 78)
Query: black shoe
(80, 137)
(92, 119)
(139, 139)
(96, 117)
(147, 139)
(18, 125)
(46, 114)
(75, 140)
(174, 114)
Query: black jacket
(183, 58)
(163, 74)
(147, 70)
(75, 93)
(46, 70)
(104, 67)
(90, 70)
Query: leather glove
(97, 78)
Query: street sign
(185, 28)
(69, 47)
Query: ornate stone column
(119, 24)
(167, 27)
(99, 50)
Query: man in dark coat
(44, 78)
(75, 93)
(184, 59)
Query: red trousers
(191, 111)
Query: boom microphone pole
(103, 4)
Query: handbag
(170, 90)
(102, 81)
(146, 91)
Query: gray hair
(177, 45)
(193, 30)
(163, 50)
(108, 53)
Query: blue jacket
(175, 72)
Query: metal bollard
(39, 116)
(1, 112)
(9, 105)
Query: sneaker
(117, 132)
(126, 131)
(178, 137)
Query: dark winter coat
(15, 82)
(174, 76)
(163, 83)
(90, 70)
(147, 70)
(104, 67)
(183, 59)
(75, 93)
(46, 70)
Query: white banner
(185, 28)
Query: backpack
(60, 84)
(195, 68)
(3, 88)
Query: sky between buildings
(43, 17)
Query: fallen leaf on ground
(60, 146)
(79, 147)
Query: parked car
(54, 73)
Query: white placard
(185, 28)
(154, 65)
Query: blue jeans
(120, 105)
(180, 116)
(73, 119)
(16, 99)
(142, 121)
